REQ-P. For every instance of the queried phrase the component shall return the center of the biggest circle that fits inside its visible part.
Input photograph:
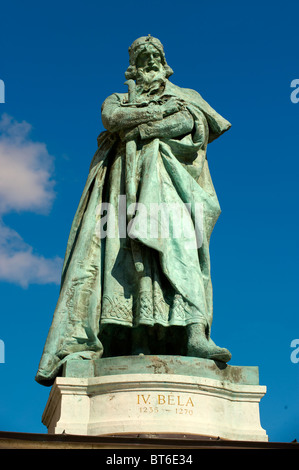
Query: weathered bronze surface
(136, 276)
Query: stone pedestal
(156, 395)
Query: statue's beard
(150, 80)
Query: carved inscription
(155, 403)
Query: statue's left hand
(171, 106)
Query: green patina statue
(136, 275)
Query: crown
(142, 41)
(135, 49)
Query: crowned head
(147, 55)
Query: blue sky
(59, 61)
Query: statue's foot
(200, 346)
(217, 353)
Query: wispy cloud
(26, 167)
(26, 184)
(20, 265)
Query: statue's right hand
(172, 106)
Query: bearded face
(150, 69)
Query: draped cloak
(100, 284)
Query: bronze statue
(130, 284)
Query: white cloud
(26, 184)
(19, 265)
(26, 166)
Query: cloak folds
(100, 284)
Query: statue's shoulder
(119, 96)
(216, 122)
(115, 98)
(187, 93)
